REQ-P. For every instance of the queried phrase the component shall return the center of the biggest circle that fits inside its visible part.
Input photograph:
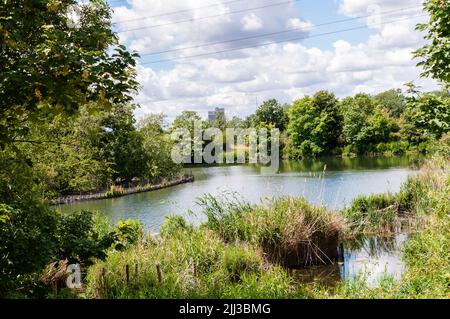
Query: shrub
(289, 230)
(27, 241)
(115, 191)
(372, 215)
(173, 225)
(79, 241)
(127, 233)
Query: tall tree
(365, 123)
(393, 101)
(157, 146)
(56, 56)
(272, 112)
(121, 143)
(314, 125)
(435, 54)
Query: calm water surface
(335, 186)
(342, 181)
(370, 259)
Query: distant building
(212, 115)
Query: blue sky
(369, 60)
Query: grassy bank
(242, 250)
(187, 263)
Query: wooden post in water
(127, 274)
(158, 271)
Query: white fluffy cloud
(237, 79)
(251, 22)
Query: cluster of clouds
(237, 79)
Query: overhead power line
(177, 12)
(277, 42)
(276, 33)
(211, 16)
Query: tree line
(392, 122)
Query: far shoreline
(72, 199)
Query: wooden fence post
(104, 281)
(127, 274)
(136, 276)
(158, 271)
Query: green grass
(290, 231)
(194, 263)
(241, 248)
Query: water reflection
(370, 258)
(344, 179)
(374, 258)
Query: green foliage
(271, 112)
(282, 229)
(365, 123)
(121, 144)
(186, 120)
(193, 264)
(27, 240)
(66, 156)
(52, 64)
(434, 55)
(392, 100)
(127, 233)
(27, 227)
(314, 125)
(78, 240)
(157, 147)
(427, 117)
(174, 224)
(237, 123)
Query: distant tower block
(212, 115)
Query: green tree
(186, 120)
(314, 125)
(66, 155)
(434, 55)
(53, 63)
(271, 112)
(236, 122)
(393, 101)
(365, 123)
(121, 143)
(427, 117)
(157, 146)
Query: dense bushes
(388, 123)
(193, 263)
(93, 151)
(35, 236)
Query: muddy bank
(126, 191)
